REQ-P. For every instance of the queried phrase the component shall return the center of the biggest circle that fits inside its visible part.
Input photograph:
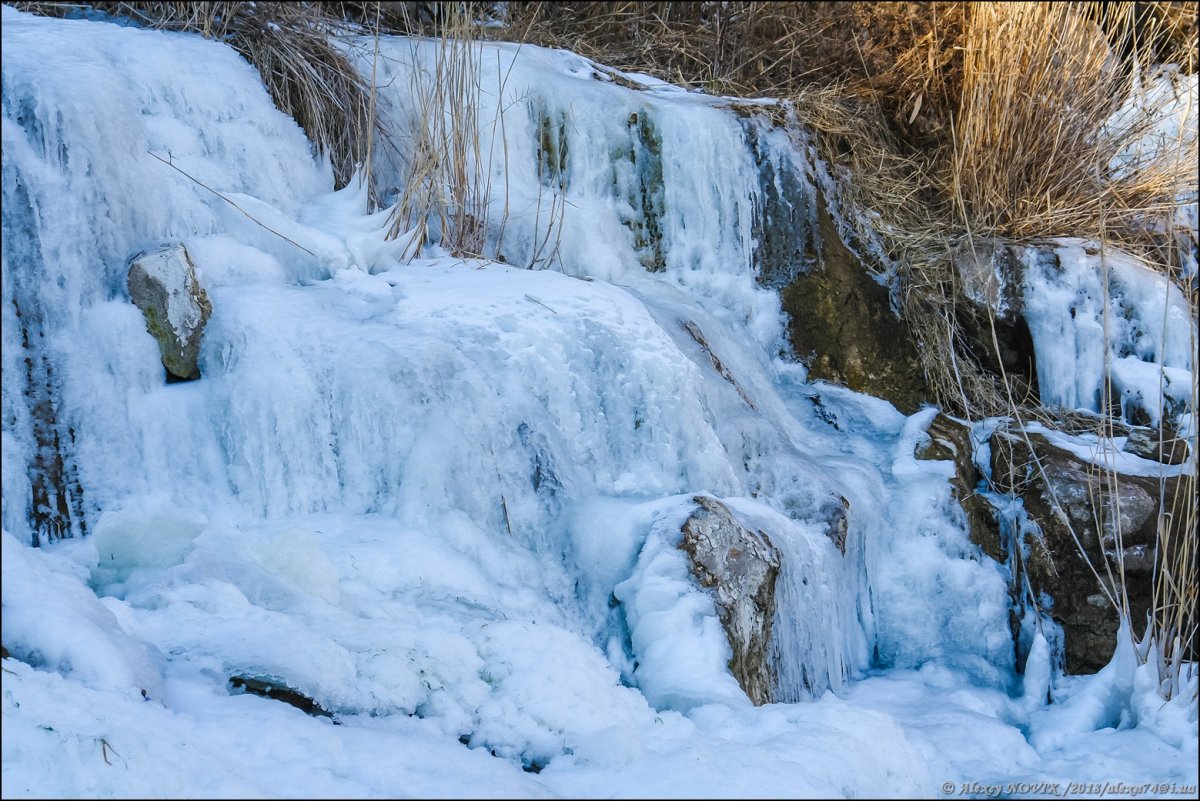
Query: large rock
(163, 284)
(842, 326)
(739, 567)
(990, 274)
(1159, 445)
(1109, 516)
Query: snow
(1159, 116)
(1159, 121)
(1106, 452)
(682, 650)
(441, 496)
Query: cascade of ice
(82, 194)
(660, 190)
(1106, 322)
(612, 178)
(547, 418)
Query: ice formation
(441, 496)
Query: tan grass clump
(1032, 138)
(447, 179)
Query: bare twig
(200, 183)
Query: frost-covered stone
(740, 568)
(1164, 446)
(836, 513)
(990, 274)
(163, 284)
(1113, 517)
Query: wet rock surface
(950, 440)
(842, 326)
(1111, 518)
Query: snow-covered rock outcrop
(163, 284)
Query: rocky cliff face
(1089, 524)
(842, 326)
(1093, 523)
(1095, 527)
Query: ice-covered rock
(991, 276)
(739, 567)
(1108, 330)
(990, 272)
(1085, 515)
(1161, 445)
(163, 284)
(950, 440)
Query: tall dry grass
(447, 185)
(1034, 134)
(1175, 625)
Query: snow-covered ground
(441, 497)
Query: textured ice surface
(1099, 317)
(439, 497)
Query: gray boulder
(739, 568)
(163, 284)
(991, 276)
(1164, 445)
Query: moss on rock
(842, 326)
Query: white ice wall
(489, 405)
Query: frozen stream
(442, 498)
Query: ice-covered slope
(441, 498)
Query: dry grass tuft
(447, 182)
(1033, 143)
(1027, 156)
